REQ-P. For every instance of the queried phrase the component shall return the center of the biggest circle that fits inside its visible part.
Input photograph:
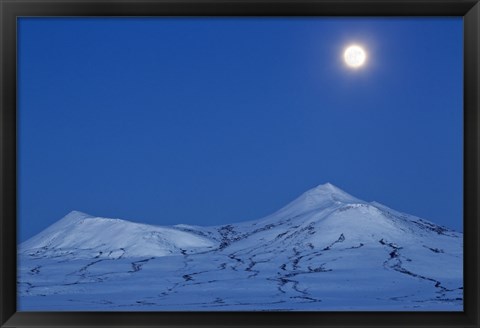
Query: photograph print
(240, 164)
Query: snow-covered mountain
(326, 250)
(89, 236)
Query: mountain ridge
(323, 238)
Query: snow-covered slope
(89, 236)
(326, 250)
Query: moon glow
(355, 56)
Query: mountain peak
(327, 187)
(77, 215)
(72, 218)
(66, 223)
(330, 191)
(321, 196)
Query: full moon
(354, 56)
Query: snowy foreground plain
(325, 251)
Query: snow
(324, 251)
(92, 235)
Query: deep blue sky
(216, 120)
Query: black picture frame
(11, 9)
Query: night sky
(210, 121)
